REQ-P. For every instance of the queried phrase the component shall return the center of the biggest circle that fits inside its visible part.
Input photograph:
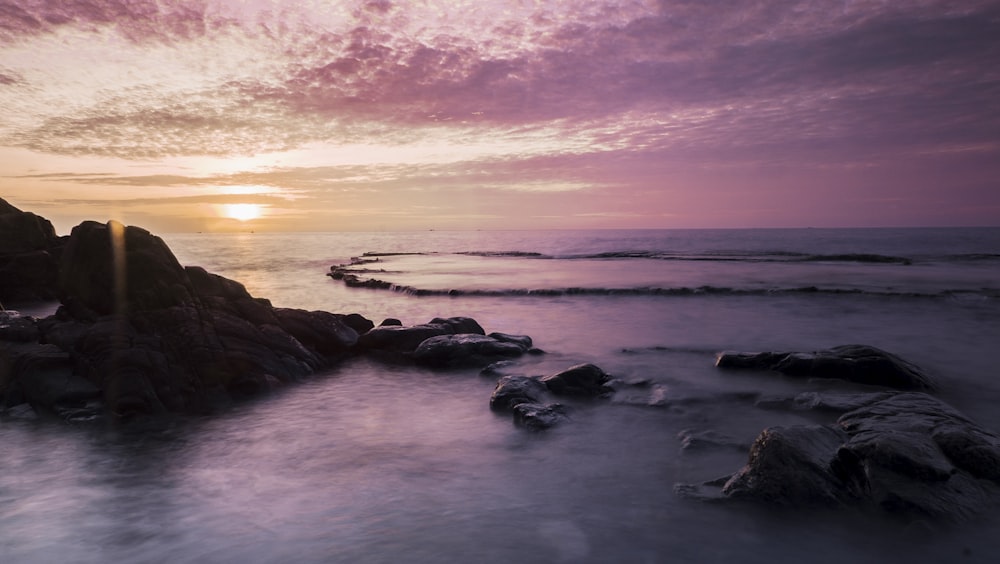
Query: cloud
(137, 20)
(694, 79)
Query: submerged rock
(861, 364)
(536, 416)
(908, 454)
(709, 439)
(585, 380)
(515, 390)
(465, 349)
(400, 339)
(526, 396)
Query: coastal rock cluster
(137, 333)
(527, 398)
(906, 453)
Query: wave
(734, 255)
(711, 256)
(353, 281)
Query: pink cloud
(136, 20)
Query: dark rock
(110, 268)
(22, 231)
(392, 338)
(707, 440)
(818, 401)
(908, 454)
(537, 417)
(390, 322)
(465, 349)
(323, 332)
(154, 336)
(29, 256)
(515, 390)
(861, 364)
(585, 380)
(146, 335)
(48, 381)
(17, 328)
(204, 284)
(460, 324)
(358, 322)
(398, 339)
(498, 368)
(523, 341)
(791, 466)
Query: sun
(242, 212)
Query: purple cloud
(688, 82)
(136, 20)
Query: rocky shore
(136, 334)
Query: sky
(211, 115)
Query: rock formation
(29, 256)
(861, 364)
(527, 397)
(907, 454)
(137, 333)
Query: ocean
(373, 462)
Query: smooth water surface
(381, 463)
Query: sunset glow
(241, 212)
(377, 114)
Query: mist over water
(379, 463)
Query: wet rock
(324, 332)
(585, 380)
(358, 322)
(820, 401)
(861, 364)
(460, 324)
(43, 376)
(498, 369)
(395, 338)
(792, 466)
(908, 454)
(522, 341)
(536, 417)
(465, 349)
(692, 440)
(512, 391)
(399, 339)
(17, 328)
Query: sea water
(370, 462)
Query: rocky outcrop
(907, 454)
(861, 364)
(137, 333)
(151, 336)
(29, 256)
